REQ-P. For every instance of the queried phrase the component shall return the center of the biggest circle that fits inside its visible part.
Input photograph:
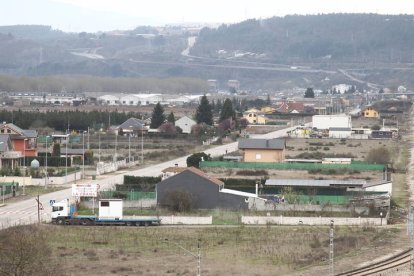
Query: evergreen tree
(158, 116)
(227, 110)
(309, 93)
(218, 106)
(171, 118)
(204, 113)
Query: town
(267, 145)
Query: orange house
(23, 140)
(370, 112)
(263, 150)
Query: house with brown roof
(263, 150)
(291, 107)
(201, 191)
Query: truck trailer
(110, 213)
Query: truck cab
(61, 210)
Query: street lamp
(46, 173)
(66, 159)
(116, 144)
(99, 147)
(197, 256)
(83, 154)
(129, 148)
(24, 164)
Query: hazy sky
(95, 15)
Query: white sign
(82, 190)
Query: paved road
(25, 212)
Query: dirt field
(238, 250)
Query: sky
(105, 15)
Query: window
(258, 156)
(104, 203)
(2, 131)
(57, 208)
(8, 131)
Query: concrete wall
(281, 220)
(57, 180)
(260, 205)
(266, 155)
(103, 168)
(186, 220)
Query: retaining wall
(281, 220)
(186, 220)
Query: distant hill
(338, 37)
(274, 53)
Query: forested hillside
(279, 52)
(337, 37)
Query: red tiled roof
(204, 175)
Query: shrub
(195, 159)
(25, 251)
(378, 156)
(178, 201)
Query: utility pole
(331, 249)
(99, 146)
(39, 207)
(410, 233)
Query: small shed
(110, 209)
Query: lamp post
(99, 147)
(129, 148)
(24, 164)
(66, 159)
(46, 174)
(116, 144)
(83, 154)
(142, 144)
(197, 256)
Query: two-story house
(23, 140)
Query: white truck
(110, 213)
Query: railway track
(401, 259)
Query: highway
(25, 212)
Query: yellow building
(268, 109)
(254, 116)
(370, 112)
(263, 150)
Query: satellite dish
(34, 164)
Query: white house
(185, 124)
(331, 121)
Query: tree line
(80, 84)
(63, 120)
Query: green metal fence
(131, 195)
(359, 166)
(6, 188)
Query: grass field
(238, 250)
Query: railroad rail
(400, 259)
